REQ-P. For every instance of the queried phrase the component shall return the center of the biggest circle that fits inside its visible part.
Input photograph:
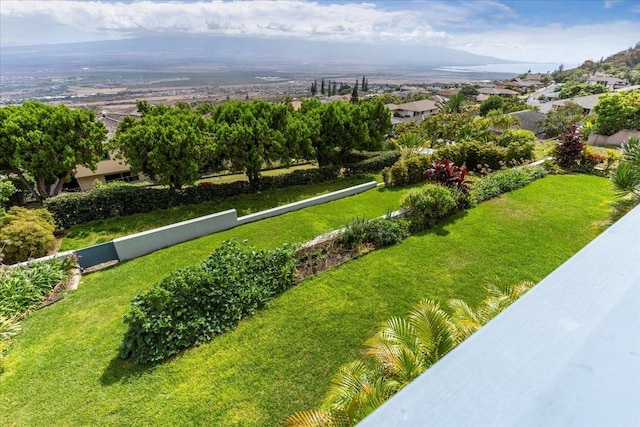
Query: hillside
(624, 64)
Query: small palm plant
(626, 177)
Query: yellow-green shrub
(27, 233)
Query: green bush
(28, 233)
(379, 232)
(196, 303)
(426, 205)
(23, 288)
(516, 136)
(397, 175)
(406, 172)
(476, 155)
(109, 201)
(506, 180)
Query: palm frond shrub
(401, 350)
(626, 177)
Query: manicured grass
(100, 231)
(63, 370)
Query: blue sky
(530, 31)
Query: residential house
(415, 111)
(607, 81)
(531, 120)
(109, 169)
(586, 102)
(486, 92)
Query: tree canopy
(42, 144)
(619, 111)
(168, 144)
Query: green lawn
(100, 231)
(63, 370)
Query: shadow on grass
(120, 370)
(440, 229)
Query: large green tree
(258, 133)
(620, 111)
(42, 144)
(557, 121)
(169, 144)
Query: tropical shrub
(379, 232)
(626, 177)
(444, 172)
(24, 288)
(396, 175)
(27, 233)
(476, 156)
(589, 159)
(196, 303)
(505, 180)
(516, 136)
(427, 204)
(402, 350)
(569, 148)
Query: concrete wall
(614, 140)
(139, 244)
(307, 202)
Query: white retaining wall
(318, 200)
(139, 244)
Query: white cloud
(337, 22)
(608, 4)
(482, 27)
(550, 43)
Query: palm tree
(454, 105)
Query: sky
(530, 31)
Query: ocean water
(518, 68)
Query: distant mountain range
(190, 52)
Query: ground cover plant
(280, 360)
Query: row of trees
(332, 87)
(176, 145)
(42, 144)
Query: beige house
(607, 81)
(109, 169)
(415, 111)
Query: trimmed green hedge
(504, 181)
(122, 200)
(476, 155)
(196, 303)
(372, 164)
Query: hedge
(121, 200)
(374, 163)
(194, 304)
(478, 155)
